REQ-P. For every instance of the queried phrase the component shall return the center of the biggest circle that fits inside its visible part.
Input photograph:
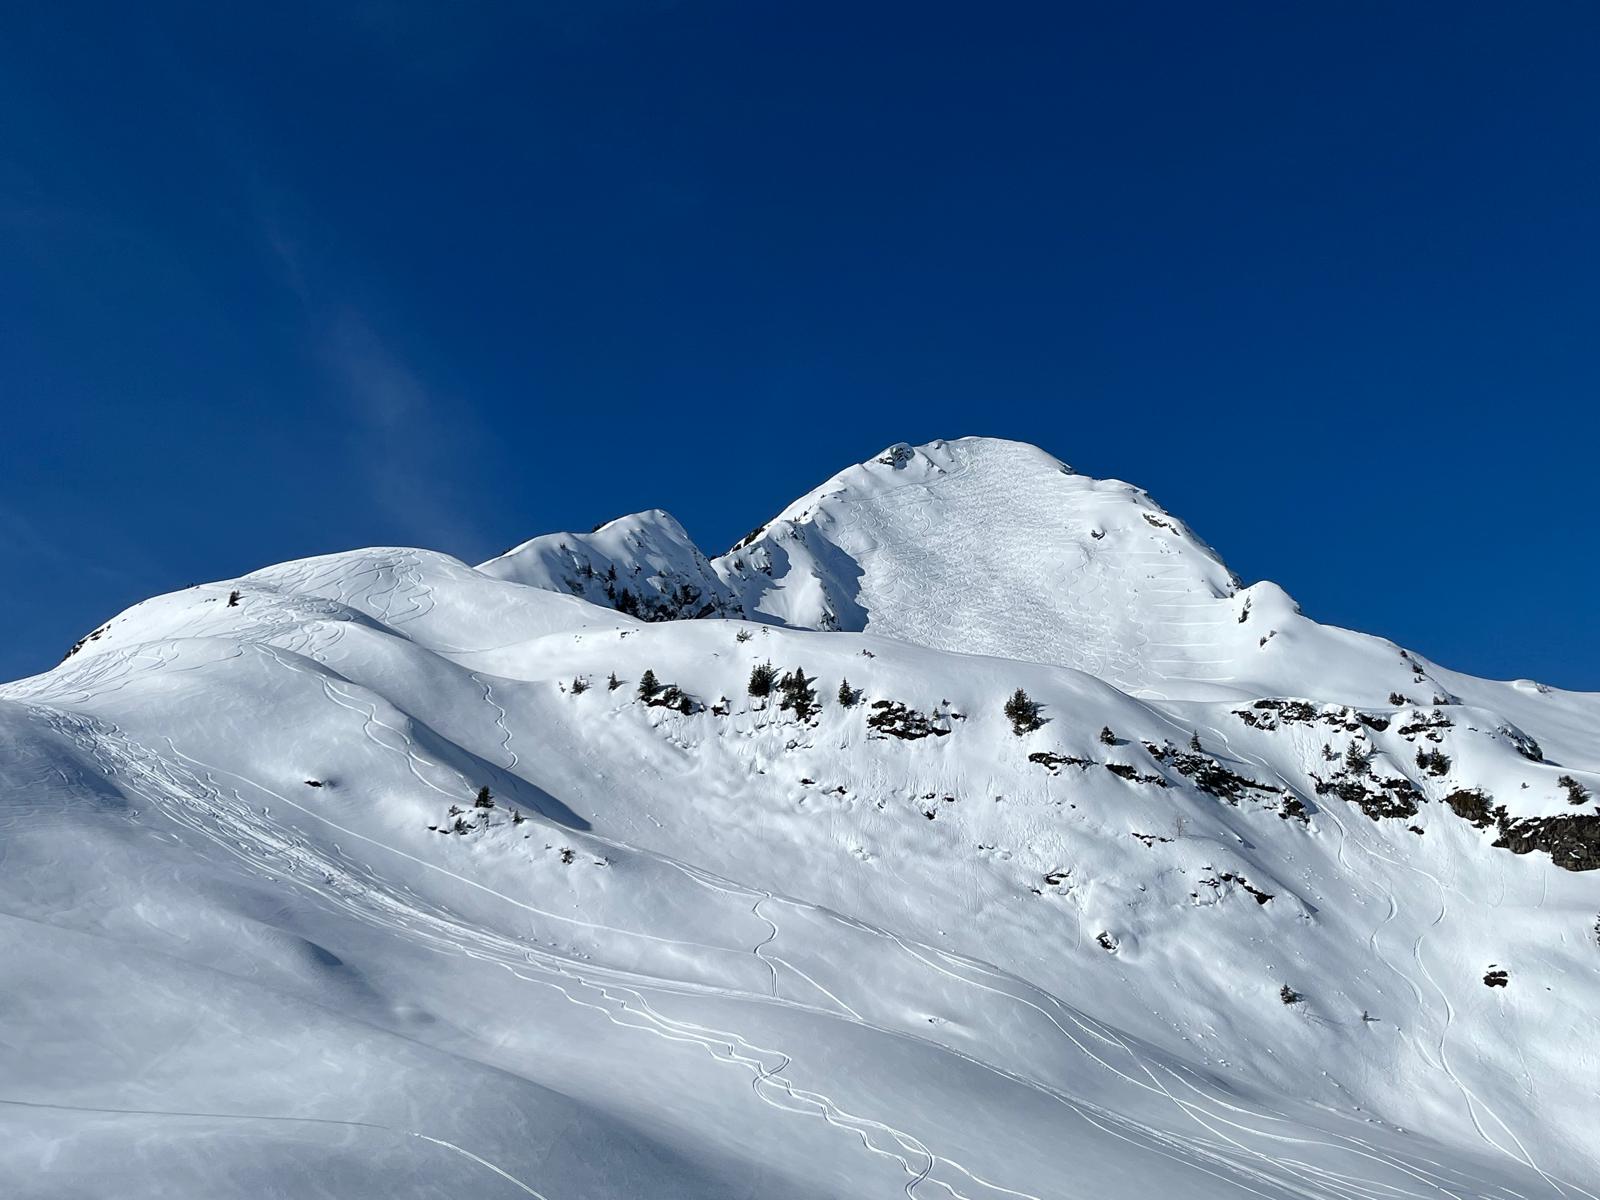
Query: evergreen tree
(847, 695)
(762, 677)
(485, 798)
(1107, 738)
(1435, 762)
(613, 683)
(1023, 712)
(799, 695)
(648, 686)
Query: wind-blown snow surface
(893, 948)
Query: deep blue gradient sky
(280, 281)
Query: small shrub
(1288, 995)
(1576, 792)
(1107, 738)
(1133, 775)
(1434, 762)
(742, 636)
(674, 697)
(580, 685)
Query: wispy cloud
(413, 451)
(404, 438)
(409, 445)
(22, 538)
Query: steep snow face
(992, 547)
(644, 565)
(868, 934)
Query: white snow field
(1231, 920)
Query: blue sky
(287, 279)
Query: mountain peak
(985, 546)
(423, 830)
(643, 564)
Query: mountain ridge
(379, 874)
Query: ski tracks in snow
(266, 1117)
(500, 723)
(625, 1004)
(195, 804)
(1440, 1056)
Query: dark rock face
(894, 719)
(1209, 775)
(1053, 762)
(1378, 798)
(1474, 805)
(1572, 842)
(1272, 714)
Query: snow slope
(723, 947)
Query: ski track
(340, 884)
(213, 1116)
(1473, 1103)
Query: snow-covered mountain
(1228, 903)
